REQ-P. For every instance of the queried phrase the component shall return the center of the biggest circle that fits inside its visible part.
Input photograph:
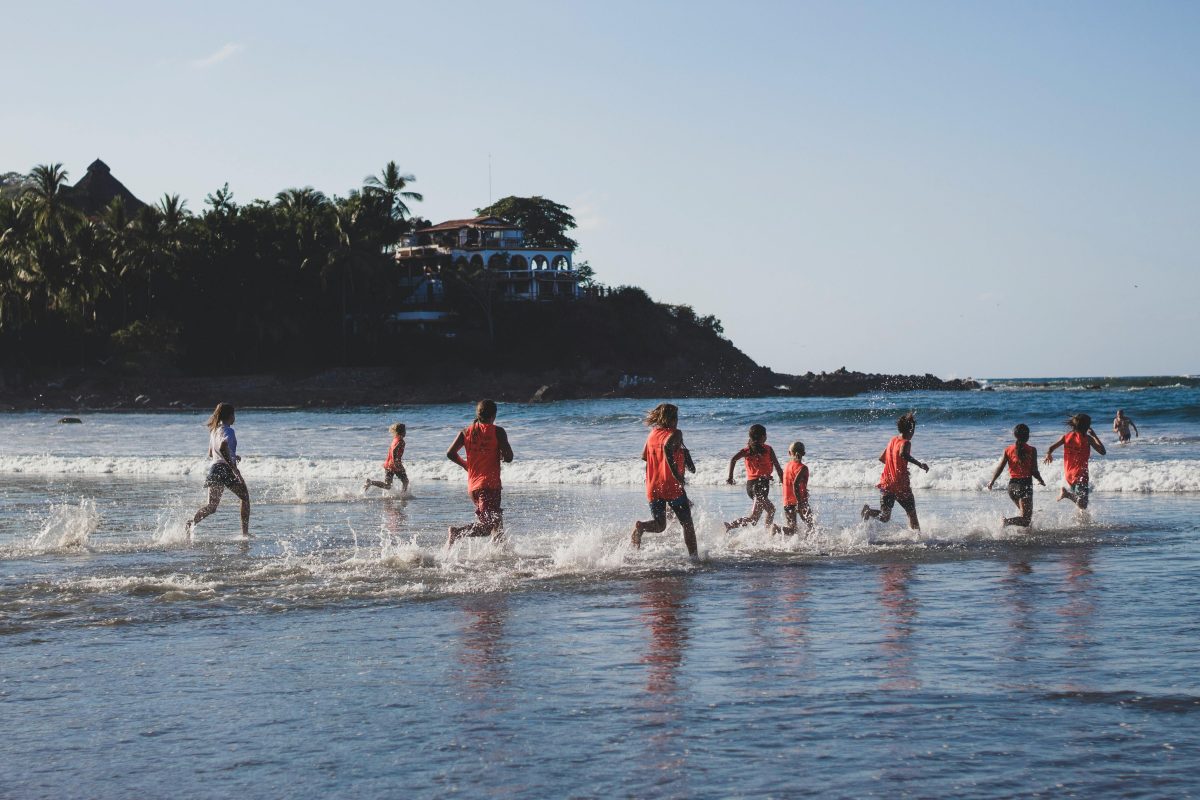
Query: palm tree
(390, 185)
(52, 215)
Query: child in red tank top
(795, 490)
(394, 466)
(666, 461)
(894, 485)
(1021, 460)
(760, 459)
(1077, 450)
(487, 445)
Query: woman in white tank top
(223, 472)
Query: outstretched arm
(506, 452)
(460, 442)
(778, 468)
(907, 454)
(1097, 445)
(996, 474)
(1050, 453)
(1036, 472)
(687, 459)
(732, 463)
(1135, 430)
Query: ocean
(342, 652)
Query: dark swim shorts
(759, 489)
(1081, 489)
(1020, 489)
(887, 500)
(680, 506)
(220, 474)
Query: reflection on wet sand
(665, 614)
(899, 609)
(484, 657)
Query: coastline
(90, 390)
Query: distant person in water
(223, 472)
(760, 460)
(1121, 426)
(487, 445)
(894, 486)
(1021, 460)
(666, 461)
(1077, 447)
(795, 491)
(394, 466)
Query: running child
(1077, 447)
(666, 459)
(795, 490)
(223, 472)
(1121, 426)
(894, 486)
(760, 459)
(1021, 460)
(487, 445)
(394, 466)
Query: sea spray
(68, 525)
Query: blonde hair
(397, 429)
(222, 413)
(796, 449)
(664, 415)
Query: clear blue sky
(985, 189)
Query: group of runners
(668, 461)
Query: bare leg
(243, 494)
(751, 519)
(214, 500)
(882, 514)
(769, 507)
(689, 537)
(912, 519)
(653, 526)
(384, 484)
(789, 518)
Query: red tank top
(894, 479)
(758, 466)
(790, 471)
(660, 483)
(1076, 452)
(483, 456)
(1020, 466)
(392, 454)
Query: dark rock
(70, 421)
(542, 395)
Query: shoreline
(90, 391)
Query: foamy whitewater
(343, 651)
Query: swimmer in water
(1121, 426)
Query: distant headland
(314, 300)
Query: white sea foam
(68, 525)
(301, 480)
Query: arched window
(476, 262)
(561, 263)
(460, 263)
(540, 262)
(497, 262)
(518, 263)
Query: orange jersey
(790, 473)
(660, 483)
(395, 454)
(1020, 464)
(1076, 452)
(483, 456)
(894, 479)
(758, 465)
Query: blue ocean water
(342, 652)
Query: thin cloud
(228, 50)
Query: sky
(976, 189)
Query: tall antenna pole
(489, 179)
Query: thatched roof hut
(97, 188)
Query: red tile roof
(474, 222)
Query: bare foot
(865, 513)
(775, 530)
(1062, 494)
(187, 529)
(452, 537)
(635, 539)
(729, 526)
(367, 484)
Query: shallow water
(342, 652)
